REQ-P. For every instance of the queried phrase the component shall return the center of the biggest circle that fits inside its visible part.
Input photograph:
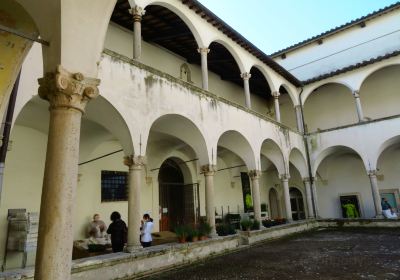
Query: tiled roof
(338, 29)
(351, 67)
(210, 17)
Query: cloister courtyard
(328, 254)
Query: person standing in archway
(147, 228)
(118, 231)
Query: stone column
(310, 208)
(246, 77)
(375, 193)
(314, 193)
(358, 106)
(276, 95)
(255, 176)
(209, 172)
(299, 118)
(135, 165)
(204, 66)
(288, 206)
(137, 13)
(68, 94)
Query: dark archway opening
(297, 204)
(274, 204)
(178, 201)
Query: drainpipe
(307, 152)
(7, 130)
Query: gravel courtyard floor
(323, 254)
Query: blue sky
(276, 24)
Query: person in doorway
(118, 231)
(146, 229)
(387, 210)
(97, 228)
(350, 210)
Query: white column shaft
(277, 109)
(137, 39)
(247, 92)
(359, 109)
(375, 194)
(204, 69)
(310, 208)
(288, 207)
(314, 192)
(210, 206)
(54, 252)
(299, 119)
(256, 198)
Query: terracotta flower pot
(195, 238)
(182, 239)
(203, 237)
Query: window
(114, 186)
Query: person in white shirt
(147, 228)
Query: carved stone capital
(135, 162)
(137, 13)
(203, 50)
(372, 173)
(245, 76)
(285, 177)
(306, 180)
(208, 169)
(275, 94)
(70, 90)
(356, 94)
(254, 174)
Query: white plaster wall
(334, 178)
(380, 36)
(331, 105)
(380, 93)
(121, 41)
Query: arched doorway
(297, 204)
(178, 201)
(274, 204)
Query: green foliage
(246, 224)
(204, 228)
(255, 225)
(182, 231)
(225, 229)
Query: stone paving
(323, 254)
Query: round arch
(395, 140)
(266, 75)
(320, 107)
(183, 128)
(173, 8)
(312, 89)
(271, 150)
(375, 69)
(232, 51)
(299, 162)
(274, 205)
(379, 92)
(339, 149)
(237, 143)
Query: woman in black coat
(118, 231)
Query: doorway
(274, 204)
(297, 204)
(178, 201)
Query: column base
(213, 234)
(379, 216)
(133, 248)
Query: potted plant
(204, 230)
(182, 233)
(246, 224)
(194, 235)
(255, 225)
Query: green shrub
(246, 224)
(204, 228)
(182, 231)
(255, 225)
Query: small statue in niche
(185, 73)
